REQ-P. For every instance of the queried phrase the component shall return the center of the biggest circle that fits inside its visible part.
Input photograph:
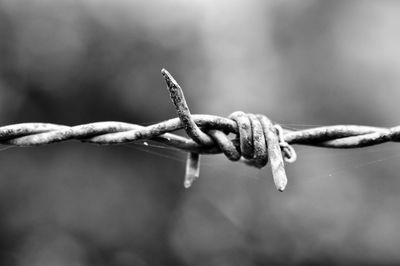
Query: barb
(193, 131)
(247, 137)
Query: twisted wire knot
(253, 131)
(257, 139)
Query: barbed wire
(251, 138)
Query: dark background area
(302, 63)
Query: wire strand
(208, 134)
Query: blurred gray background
(302, 63)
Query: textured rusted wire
(256, 138)
(107, 133)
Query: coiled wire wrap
(258, 139)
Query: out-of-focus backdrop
(302, 63)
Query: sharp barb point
(192, 169)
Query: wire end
(192, 169)
(164, 72)
(281, 187)
(171, 82)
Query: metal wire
(239, 136)
(108, 133)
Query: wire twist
(251, 138)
